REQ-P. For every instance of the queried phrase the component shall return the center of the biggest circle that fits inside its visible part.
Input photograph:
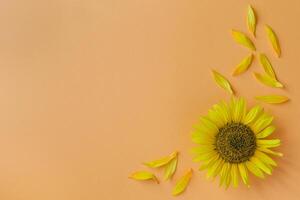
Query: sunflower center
(235, 142)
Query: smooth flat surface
(90, 89)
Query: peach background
(89, 89)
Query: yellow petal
(228, 177)
(266, 64)
(265, 158)
(234, 175)
(267, 80)
(268, 143)
(224, 173)
(225, 110)
(216, 117)
(273, 40)
(266, 132)
(221, 113)
(200, 138)
(143, 175)
(253, 114)
(214, 170)
(251, 20)
(182, 183)
(266, 150)
(238, 110)
(162, 161)
(273, 99)
(222, 82)
(202, 149)
(205, 156)
(170, 168)
(244, 173)
(208, 163)
(261, 165)
(254, 169)
(209, 125)
(261, 123)
(243, 65)
(242, 39)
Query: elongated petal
(224, 173)
(216, 118)
(143, 175)
(254, 169)
(266, 132)
(261, 123)
(215, 169)
(182, 183)
(244, 173)
(273, 99)
(261, 165)
(243, 65)
(221, 112)
(253, 114)
(268, 143)
(208, 163)
(242, 39)
(238, 110)
(265, 158)
(273, 40)
(267, 80)
(209, 125)
(200, 138)
(234, 175)
(204, 157)
(268, 151)
(222, 82)
(228, 177)
(170, 168)
(225, 111)
(251, 20)
(203, 149)
(266, 64)
(162, 161)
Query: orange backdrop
(91, 88)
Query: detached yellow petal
(251, 20)
(143, 175)
(222, 82)
(273, 40)
(267, 80)
(182, 183)
(273, 99)
(266, 64)
(243, 65)
(170, 168)
(242, 39)
(162, 161)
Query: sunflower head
(232, 141)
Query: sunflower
(231, 141)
